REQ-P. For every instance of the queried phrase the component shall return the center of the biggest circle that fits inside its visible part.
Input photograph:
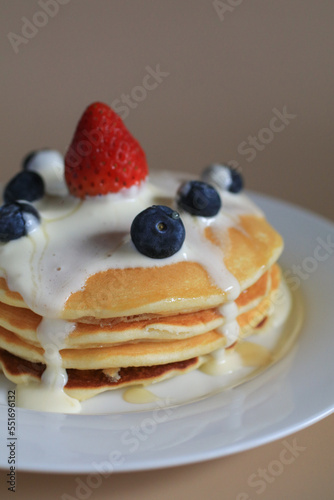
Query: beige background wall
(226, 73)
(223, 75)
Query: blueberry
(16, 220)
(226, 178)
(26, 185)
(199, 198)
(158, 232)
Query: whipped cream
(230, 329)
(49, 164)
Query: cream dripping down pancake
(111, 278)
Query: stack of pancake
(143, 325)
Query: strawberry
(103, 156)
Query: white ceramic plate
(288, 396)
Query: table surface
(223, 71)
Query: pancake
(122, 355)
(94, 370)
(137, 342)
(253, 248)
(251, 296)
(251, 319)
(25, 323)
(84, 384)
(80, 304)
